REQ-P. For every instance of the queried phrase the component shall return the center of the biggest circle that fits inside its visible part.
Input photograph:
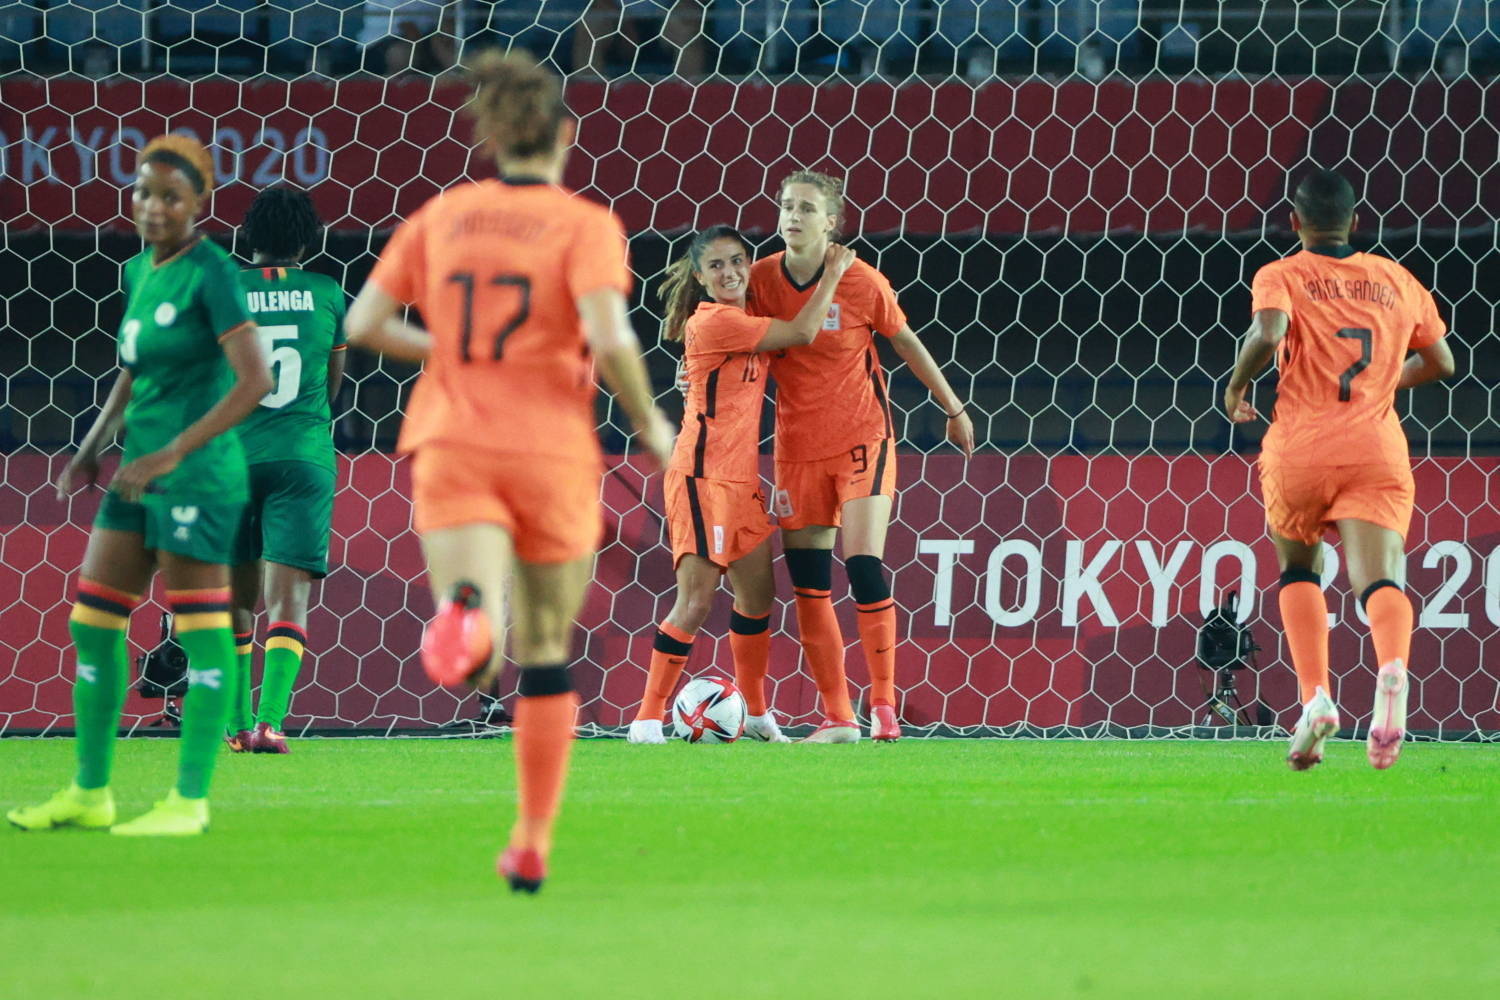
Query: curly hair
(517, 103)
(680, 290)
(831, 188)
(282, 223)
(184, 153)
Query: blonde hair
(180, 151)
(831, 188)
(680, 288)
(517, 103)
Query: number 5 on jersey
(286, 365)
(465, 281)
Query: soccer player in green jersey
(289, 446)
(192, 369)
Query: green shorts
(196, 530)
(289, 517)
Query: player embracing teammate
(836, 447)
(1340, 324)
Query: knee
(691, 609)
(867, 579)
(244, 621)
(810, 569)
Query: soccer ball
(709, 710)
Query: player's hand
(961, 433)
(81, 470)
(1237, 407)
(134, 477)
(837, 260)
(656, 439)
(682, 383)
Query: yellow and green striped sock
(201, 618)
(285, 644)
(98, 624)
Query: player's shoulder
(768, 266)
(207, 253)
(581, 210)
(710, 314)
(863, 274)
(1393, 269)
(321, 284)
(1281, 265)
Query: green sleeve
(340, 307)
(222, 295)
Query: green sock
(98, 696)
(211, 672)
(241, 716)
(285, 643)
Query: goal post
(1069, 198)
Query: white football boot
(764, 728)
(834, 731)
(646, 731)
(1388, 723)
(1320, 720)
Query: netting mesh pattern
(1073, 240)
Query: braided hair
(282, 223)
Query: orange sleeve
(1429, 327)
(1268, 290)
(401, 269)
(599, 257)
(729, 331)
(886, 315)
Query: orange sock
(1304, 616)
(750, 641)
(669, 654)
(823, 644)
(877, 635)
(544, 736)
(1390, 614)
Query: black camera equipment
(1224, 646)
(163, 674)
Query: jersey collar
(523, 180)
(1341, 251)
(793, 281)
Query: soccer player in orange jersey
(1340, 324)
(836, 448)
(520, 282)
(715, 509)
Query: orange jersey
(720, 436)
(496, 269)
(830, 395)
(1354, 317)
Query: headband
(180, 162)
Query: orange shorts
(549, 505)
(814, 493)
(718, 520)
(1302, 501)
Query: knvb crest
(835, 318)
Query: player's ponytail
(832, 190)
(680, 290)
(517, 103)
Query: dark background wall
(1116, 343)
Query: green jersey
(301, 321)
(176, 312)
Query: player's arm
(920, 360)
(617, 355)
(252, 380)
(83, 467)
(335, 374)
(1267, 329)
(1427, 364)
(373, 325)
(803, 328)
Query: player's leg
(116, 571)
(1374, 554)
(244, 587)
(467, 569)
(1304, 616)
(866, 519)
(199, 597)
(697, 579)
(809, 560)
(287, 591)
(547, 600)
(754, 587)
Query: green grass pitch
(1028, 869)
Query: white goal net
(1069, 197)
